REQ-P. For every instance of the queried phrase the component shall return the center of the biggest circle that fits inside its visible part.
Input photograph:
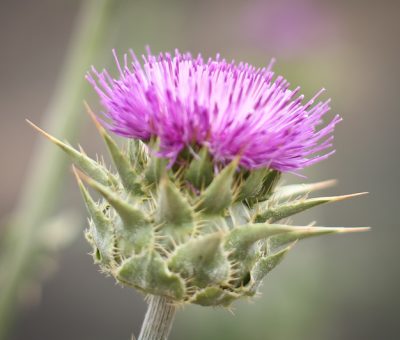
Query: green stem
(158, 321)
(63, 117)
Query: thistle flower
(231, 109)
(191, 214)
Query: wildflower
(205, 228)
(231, 109)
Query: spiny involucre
(192, 212)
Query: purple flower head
(232, 109)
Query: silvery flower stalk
(194, 212)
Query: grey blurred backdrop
(339, 287)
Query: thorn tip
(94, 118)
(44, 133)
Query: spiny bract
(194, 232)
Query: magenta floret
(232, 109)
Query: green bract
(199, 232)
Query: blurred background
(337, 287)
